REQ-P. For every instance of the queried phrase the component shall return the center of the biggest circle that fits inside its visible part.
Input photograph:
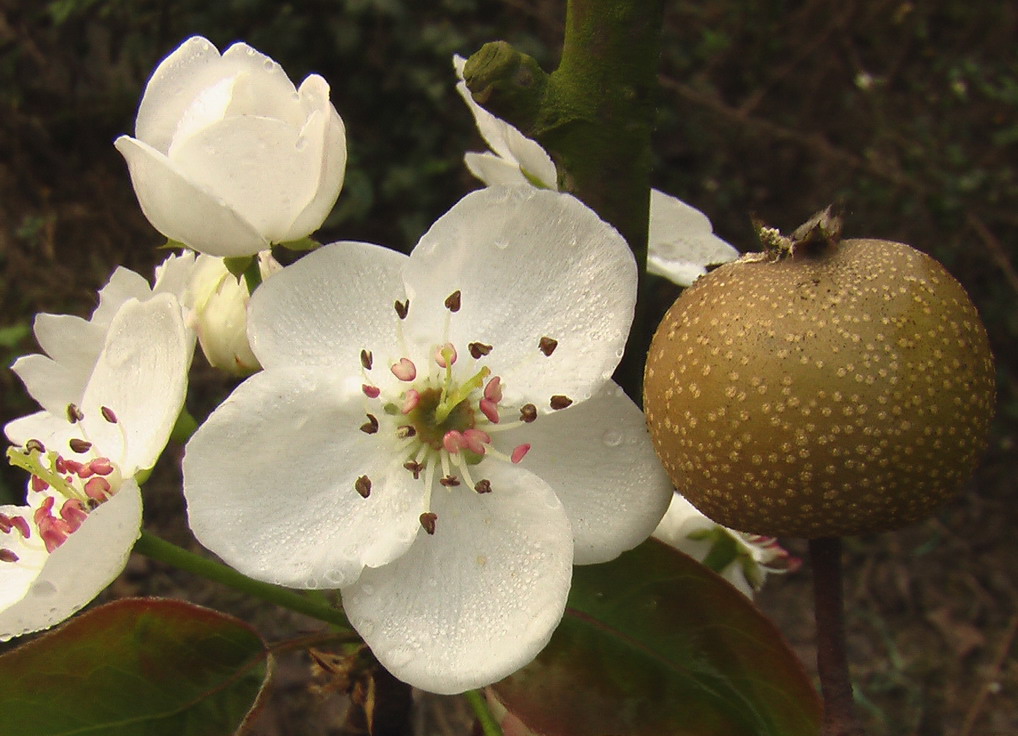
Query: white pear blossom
(228, 156)
(217, 310)
(742, 559)
(108, 418)
(681, 239)
(438, 435)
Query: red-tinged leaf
(135, 667)
(654, 643)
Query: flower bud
(228, 156)
(218, 312)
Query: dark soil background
(907, 112)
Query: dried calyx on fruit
(821, 387)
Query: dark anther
(405, 430)
(79, 446)
(74, 414)
(370, 426)
(415, 468)
(428, 522)
(449, 481)
(108, 414)
(560, 402)
(483, 486)
(548, 345)
(402, 308)
(35, 446)
(7, 555)
(363, 486)
(528, 413)
(454, 301)
(478, 350)
(366, 359)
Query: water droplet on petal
(44, 588)
(368, 589)
(612, 438)
(269, 65)
(301, 143)
(501, 244)
(366, 627)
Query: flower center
(72, 485)
(443, 413)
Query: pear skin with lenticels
(822, 388)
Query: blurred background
(907, 112)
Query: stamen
(363, 486)
(370, 426)
(478, 350)
(560, 402)
(410, 401)
(490, 409)
(454, 301)
(415, 468)
(108, 414)
(404, 431)
(402, 308)
(101, 466)
(445, 356)
(74, 413)
(548, 345)
(79, 446)
(404, 370)
(454, 441)
(7, 555)
(449, 481)
(73, 512)
(371, 392)
(97, 488)
(476, 439)
(528, 413)
(493, 390)
(38, 484)
(483, 486)
(520, 452)
(366, 359)
(35, 446)
(428, 520)
(19, 523)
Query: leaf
(654, 643)
(135, 667)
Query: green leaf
(135, 667)
(655, 643)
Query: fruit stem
(840, 718)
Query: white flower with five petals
(681, 239)
(110, 408)
(228, 156)
(438, 435)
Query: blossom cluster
(436, 435)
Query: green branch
(163, 551)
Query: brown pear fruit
(833, 389)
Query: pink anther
(404, 370)
(101, 466)
(38, 484)
(493, 390)
(73, 512)
(98, 488)
(476, 439)
(371, 392)
(7, 555)
(410, 401)
(19, 523)
(520, 452)
(445, 355)
(454, 441)
(490, 409)
(73, 466)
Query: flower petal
(328, 306)
(530, 264)
(257, 165)
(682, 241)
(42, 425)
(598, 458)
(263, 89)
(477, 600)
(181, 210)
(331, 144)
(66, 580)
(195, 65)
(270, 483)
(142, 376)
(495, 171)
(49, 382)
